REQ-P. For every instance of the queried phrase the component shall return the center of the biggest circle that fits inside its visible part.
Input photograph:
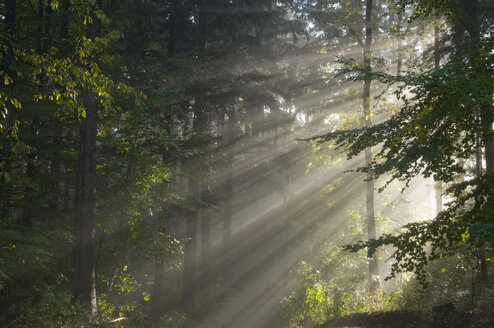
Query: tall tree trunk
(228, 190)
(58, 130)
(188, 299)
(205, 220)
(470, 22)
(202, 125)
(371, 223)
(190, 294)
(438, 185)
(84, 287)
(159, 293)
(43, 25)
(64, 23)
(84, 207)
(399, 60)
(29, 209)
(173, 25)
(205, 269)
(7, 54)
(158, 296)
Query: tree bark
(188, 299)
(189, 292)
(58, 129)
(228, 190)
(85, 289)
(158, 299)
(438, 185)
(158, 295)
(64, 23)
(84, 207)
(371, 223)
(470, 22)
(10, 11)
(399, 60)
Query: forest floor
(442, 317)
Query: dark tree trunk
(228, 190)
(158, 299)
(205, 240)
(188, 299)
(438, 186)
(31, 202)
(205, 277)
(190, 273)
(158, 295)
(371, 223)
(470, 22)
(84, 284)
(198, 187)
(58, 130)
(84, 289)
(10, 11)
(64, 24)
(173, 25)
(41, 26)
(56, 170)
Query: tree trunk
(7, 54)
(438, 185)
(158, 295)
(173, 27)
(202, 125)
(85, 289)
(399, 60)
(58, 129)
(84, 207)
(228, 190)
(64, 23)
(202, 168)
(470, 22)
(189, 291)
(188, 299)
(371, 223)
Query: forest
(246, 163)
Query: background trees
(429, 136)
(150, 171)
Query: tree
(85, 284)
(371, 224)
(434, 134)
